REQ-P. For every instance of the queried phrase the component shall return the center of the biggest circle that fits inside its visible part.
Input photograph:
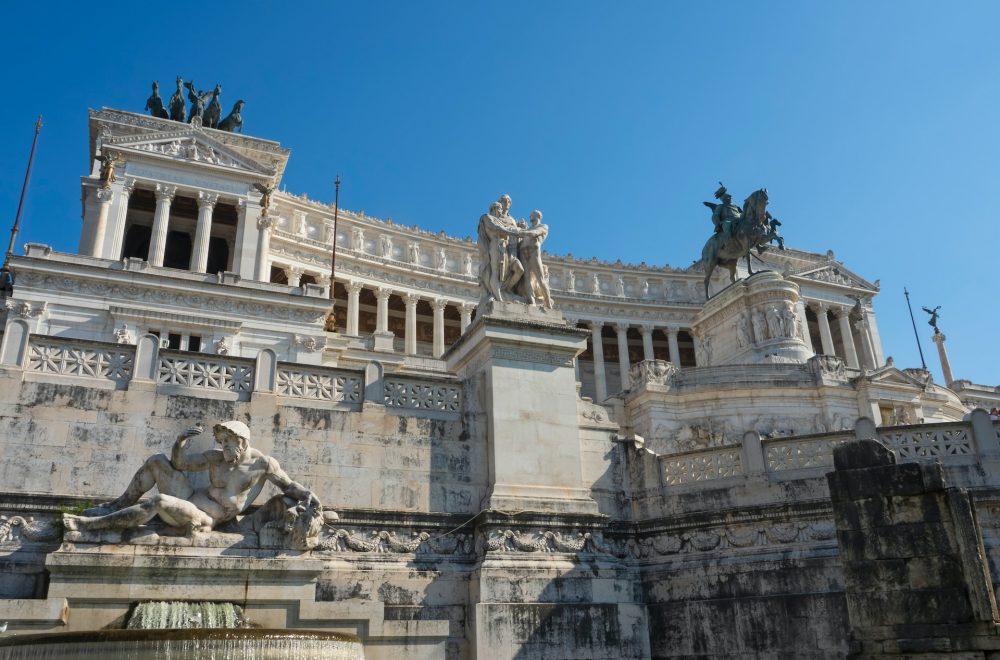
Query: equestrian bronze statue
(737, 232)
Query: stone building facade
(637, 473)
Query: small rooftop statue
(737, 232)
(932, 321)
(206, 107)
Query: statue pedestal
(517, 362)
(753, 321)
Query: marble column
(825, 337)
(353, 307)
(262, 264)
(382, 309)
(161, 220)
(293, 275)
(675, 349)
(938, 339)
(867, 354)
(324, 281)
(466, 312)
(438, 305)
(847, 337)
(115, 233)
(647, 342)
(800, 314)
(411, 323)
(623, 365)
(597, 346)
(95, 242)
(203, 231)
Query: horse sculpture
(234, 120)
(755, 229)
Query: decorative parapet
(194, 371)
(698, 466)
(652, 372)
(412, 394)
(319, 384)
(803, 453)
(62, 357)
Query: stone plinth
(517, 362)
(752, 321)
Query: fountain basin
(185, 644)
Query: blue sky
(874, 125)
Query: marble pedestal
(753, 321)
(517, 362)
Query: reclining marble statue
(510, 257)
(237, 474)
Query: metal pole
(20, 205)
(336, 213)
(915, 333)
(331, 325)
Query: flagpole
(20, 205)
(331, 323)
(915, 333)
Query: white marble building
(431, 430)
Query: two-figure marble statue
(236, 475)
(510, 257)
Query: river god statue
(237, 474)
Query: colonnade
(863, 327)
(596, 346)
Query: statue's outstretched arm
(289, 488)
(189, 462)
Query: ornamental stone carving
(652, 372)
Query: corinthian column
(411, 301)
(675, 349)
(263, 265)
(597, 346)
(353, 307)
(382, 310)
(466, 311)
(825, 336)
(95, 242)
(438, 306)
(847, 338)
(623, 366)
(647, 342)
(203, 231)
(161, 220)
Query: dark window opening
(136, 243)
(218, 255)
(178, 250)
(194, 343)
(173, 341)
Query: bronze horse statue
(754, 229)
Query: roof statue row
(205, 107)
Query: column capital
(206, 199)
(382, 293)
(264, 222)
(321, 280)
(595, 326)
(411, 299)
(439, 304)
(353, 287)
(467, 307)
(622, 328)
(292, 271)
(128, 186)
(164, 193)
(104, 195)
(818, 307)
(646, 328)
(671, 331)
(938, 337)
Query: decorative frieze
(701, 466)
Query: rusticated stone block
(862, 454)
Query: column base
(383, 341)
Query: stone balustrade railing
(958, 443)
(118, 366)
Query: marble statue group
(510, 257)
(206, 109)
(236, 475)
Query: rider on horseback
(725, 215)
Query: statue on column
(236, 475)
(176, 104)
(510, 257)
(155, 104)
(933, 319)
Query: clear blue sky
(874, 125)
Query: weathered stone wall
(86, 442)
